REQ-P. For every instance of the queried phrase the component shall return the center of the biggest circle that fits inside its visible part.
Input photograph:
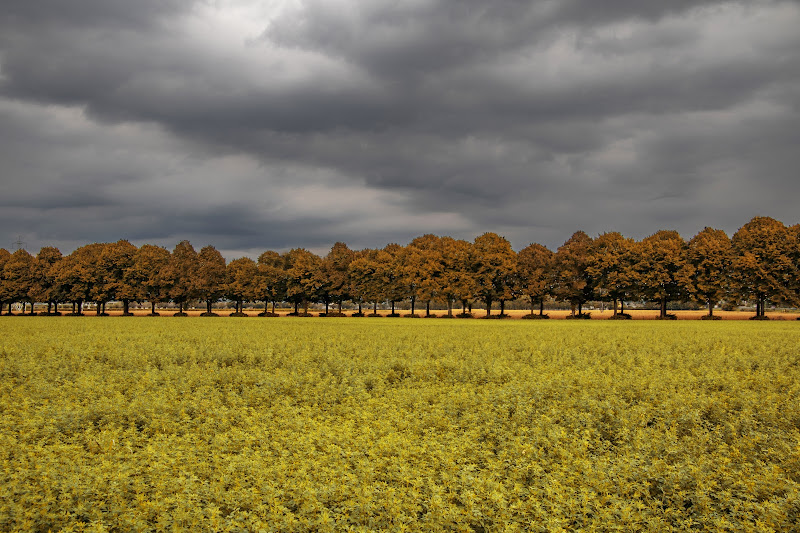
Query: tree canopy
(761, 264)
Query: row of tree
(760, 263)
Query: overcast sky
(255, 125)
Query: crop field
(244, 424)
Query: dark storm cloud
(257, 125)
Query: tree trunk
(663, 308)
(580, 308)
(340, 307)
(615, 306)
(152, 307)
(359, 308)
(621, 305)
(305, 307)
(710, 307)
(428, 308)
(97, 308)
(502, 307)
(296, 305)
(413, 303)
(208, 306)
(541, 307)
(273, 307)
(49, 307)
(125, 307)
(326, 307)
(488, 306)
(180, 307)
(393, 307)
(375, 308)
(449, 307)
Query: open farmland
(337, 424)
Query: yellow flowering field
(229, 424)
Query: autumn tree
(241, 282)
(302, 277)
(147, 274)
(78, 277)
(762, 268)
(663, 271)
(115, 264)
(19, 277)
(458, 278)
(390, 282)
(573, 282)
(363, 275)
(334, 271)
(210, 277)
(46, 260)
(494, 264)
(270, 285)
(419, 267)
(366, 277)
(610, 265)
(535, 272)
(5, 289)
(711, 255)
(180, 274)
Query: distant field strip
(340, 424)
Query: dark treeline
(759, 264)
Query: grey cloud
(530, 119)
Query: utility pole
(19, 244)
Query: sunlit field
(327, 424)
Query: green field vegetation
(336, 425)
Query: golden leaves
(334, 425)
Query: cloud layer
(254, 125)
